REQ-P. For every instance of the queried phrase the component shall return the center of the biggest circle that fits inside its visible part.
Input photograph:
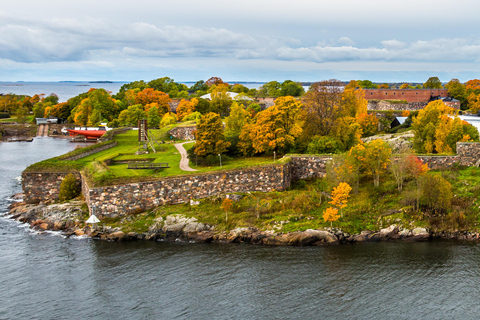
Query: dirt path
(184, 162)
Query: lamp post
(274, 156)
(219, 155)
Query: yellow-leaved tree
(377, 158)
(274, 129)
(209, 135)
(330, 214)
(340, 195)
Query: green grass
(99, 174)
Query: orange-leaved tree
(150, 95)
(186, 107)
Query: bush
(436, 193)
(69, 189)
(324, 144)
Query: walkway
(184, 162)
(42, 130)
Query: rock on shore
(67, 218)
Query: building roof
(232, 95)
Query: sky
(261, 40)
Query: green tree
(270, 89)
(220, 100)
(236, 121)
(290, 88)
(69, 188)
(457, 90)
(367, 84)
(153, 117)
(210, 136)
(433, 83)
(131, 115)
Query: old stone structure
(132, 197)
(183, 133)
(42, 186)
(410, 95)
(387, 105)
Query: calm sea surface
(45, 276)
(67, 90)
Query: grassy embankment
(302, 206)
(101, 174)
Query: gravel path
(184, 162)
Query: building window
(403, 93)
(394, 93)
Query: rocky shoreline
(65, 218)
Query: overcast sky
(248, 40)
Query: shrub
(324, 144)
(69, 188)
(436, 193)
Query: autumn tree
(322, 107)
(433, 83)
(383, 86)
(353, 100)
(340, 195)
(404, 86)
(406, 165)
(210, 136)
(274, 129)
(168, 119)
(353, 165)
(97, 106)
(425, 125)
(368, 123)
(215, 81)
(186, 107)
(436, 193)
(220, 100)
(330, 215)
(227, 206)
(377, 158)
(236, 120)
(150, 95)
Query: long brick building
(410, 95)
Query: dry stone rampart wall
(42, 186)
(132, 197)
(183, 133)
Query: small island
(275, 167)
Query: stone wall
(183, 133)
(386, 105)
(42, 186)
(306, 167)
(132, 197)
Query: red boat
(89, 134)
